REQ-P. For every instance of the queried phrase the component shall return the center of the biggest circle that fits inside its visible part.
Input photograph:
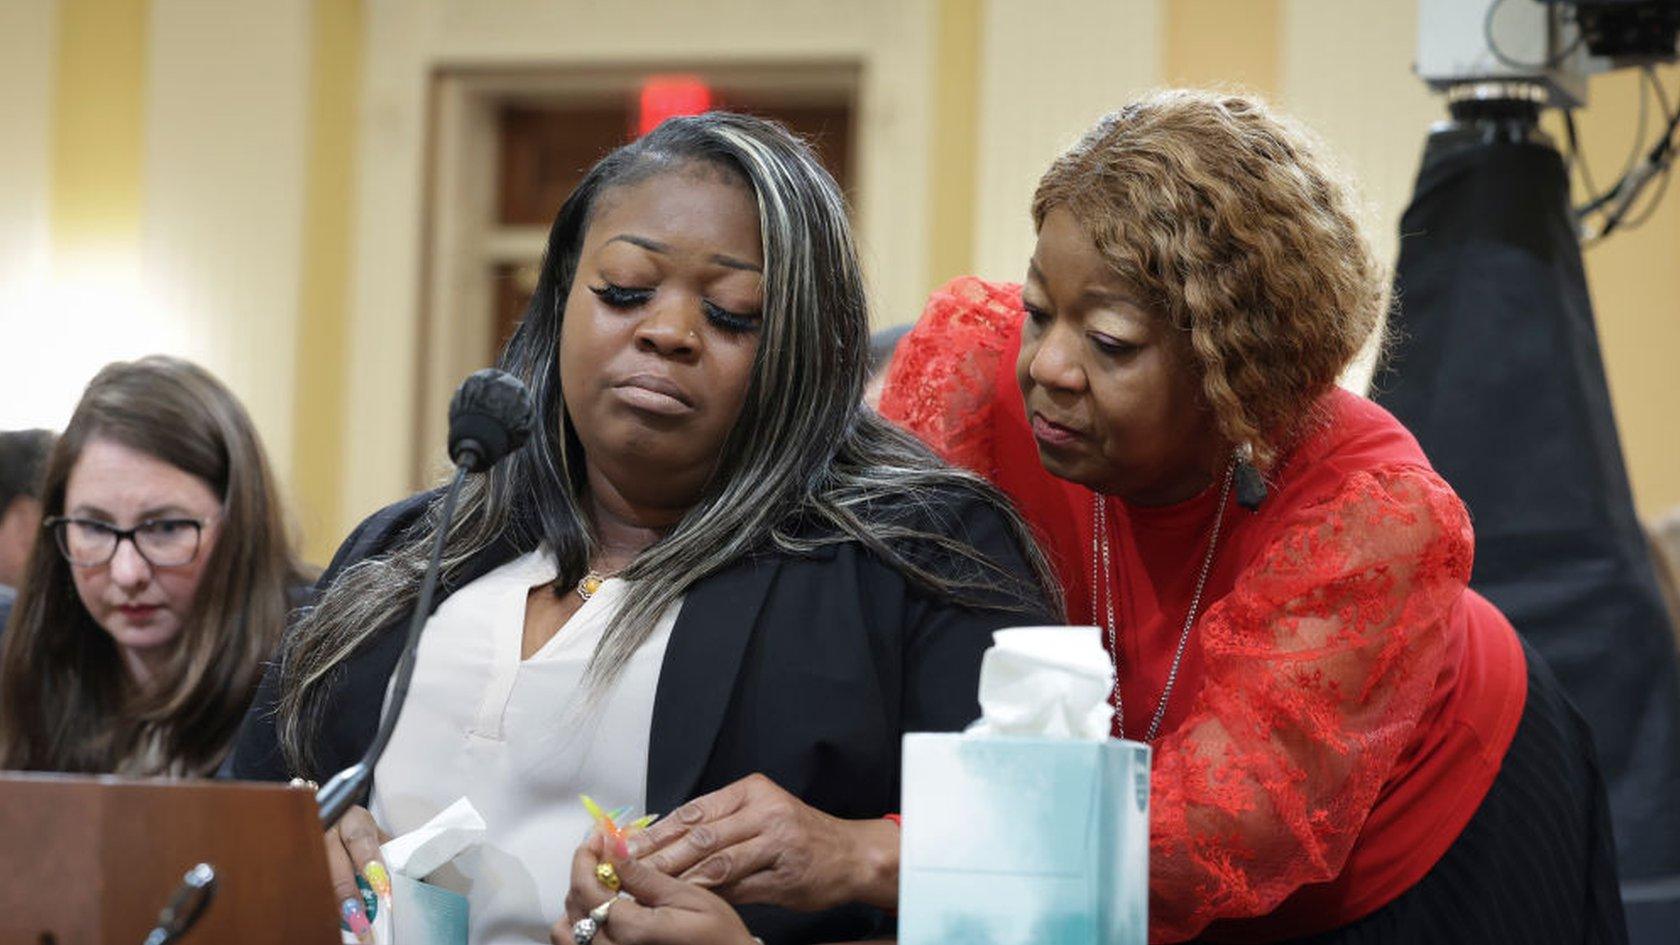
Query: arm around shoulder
(943, 377)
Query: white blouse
(521, 739)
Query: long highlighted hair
(806, 464)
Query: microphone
(191, 898)
(489, 417)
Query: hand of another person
(352, 848)
(752, 842)
(665, 911)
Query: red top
(1345, 700)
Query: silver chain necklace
(1099, 553)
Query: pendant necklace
(590, 583)
(1100, 559)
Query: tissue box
(423, 914)
(1024, 840)
(420, 914)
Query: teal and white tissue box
(1011, 840)
(423, 914)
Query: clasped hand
(753, 842)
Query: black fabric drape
(1495, 366)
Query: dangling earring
(1251, 488)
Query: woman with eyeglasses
(159, 586)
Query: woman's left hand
(752, 842)
(665, 911)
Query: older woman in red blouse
(1350, 744)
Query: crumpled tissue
(1046, 682)
(419, 852)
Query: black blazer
(808, 669)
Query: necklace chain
(1100, 557)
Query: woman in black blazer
(818, 583)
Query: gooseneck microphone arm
(336, 796)
(489, 417)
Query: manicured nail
(603, 819)
(594, 809)
(620, 847)
(643, 822)
(370, 899)
(355, 918)
(377, 877)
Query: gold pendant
(589, 584)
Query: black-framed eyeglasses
(163, 542)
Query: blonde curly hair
(1220, 216)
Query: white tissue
(1046, 682)
(420, 851)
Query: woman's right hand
(353, 848)
(664, 911)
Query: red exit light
(667, 96)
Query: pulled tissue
(1046, 682)
(418, 852)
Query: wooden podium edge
(94, 859)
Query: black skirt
(1536, 864)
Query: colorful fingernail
(620, 846)
(377, 877)
(355, 918)
(602, 818)
(644, 822)
(370, 899)
(593, 808)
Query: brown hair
(1225, 222)
(65, 703)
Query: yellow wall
(28, 63)
(1634, 277)
(84, 304)
(1219, 43)
(335, 51)
(98, 133)
(956, 114)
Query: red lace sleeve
(1319, 664)
(941, 383)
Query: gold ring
(599, 913)
(607, 876)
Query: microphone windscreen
(489, 417)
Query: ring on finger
(607, 876)
(584, 929)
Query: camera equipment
(1500, 63)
